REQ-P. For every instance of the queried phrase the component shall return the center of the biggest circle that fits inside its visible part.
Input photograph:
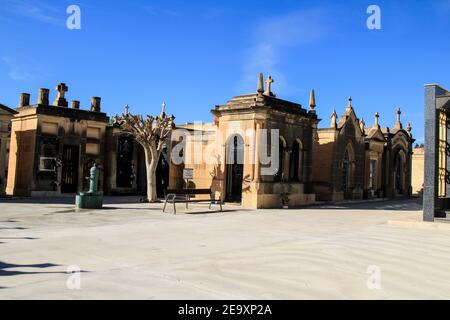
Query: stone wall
(418, 162)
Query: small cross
(62, 89)
(269, 82)
(127, 108)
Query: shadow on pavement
(70, 200)
(393, 205)
(18, 238)
(4, 266)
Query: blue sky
(197, 54)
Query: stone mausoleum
(53, 145)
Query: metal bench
(185, 196)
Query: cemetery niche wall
(436, 196)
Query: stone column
(431, 183)
(43, 96)
(95, 104)
(75, 104)
(257, 151)
(3, 164)
(24, 100)
(286, 164)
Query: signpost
(188, 174)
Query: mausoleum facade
(259, 150)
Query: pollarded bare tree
(151, 133)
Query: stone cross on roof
(62, 89)
(269, 82)
(61, 100)
(127, 110)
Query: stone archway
(400, 173)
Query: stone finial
(398, 124)
(377, 117)
(95, 104)
(409, 129)
(349, 105)
(75, 104)
(61, 101)
(362, 125)
(312, 101)
(260, 83)
(269, 82)
(163, 109)
(127, 110)
(24, 100)
(333, 123)
(43, 96)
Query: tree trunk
(151, 163)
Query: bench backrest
(189, 191)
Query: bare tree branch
(152, 133)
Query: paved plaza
(131, 250)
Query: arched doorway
(347, 172)
(399, 172)
(234, 168)
(295, 172)
(279, 174)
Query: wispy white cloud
(24, 70)
(275, 34)
(157, 11)
(36, 10)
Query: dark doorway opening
(125, 174)
(162, 174)
(399, 174)
(69, 180)
(235, 168)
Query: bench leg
(220, 204)
(174, 208)
(164, 208)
